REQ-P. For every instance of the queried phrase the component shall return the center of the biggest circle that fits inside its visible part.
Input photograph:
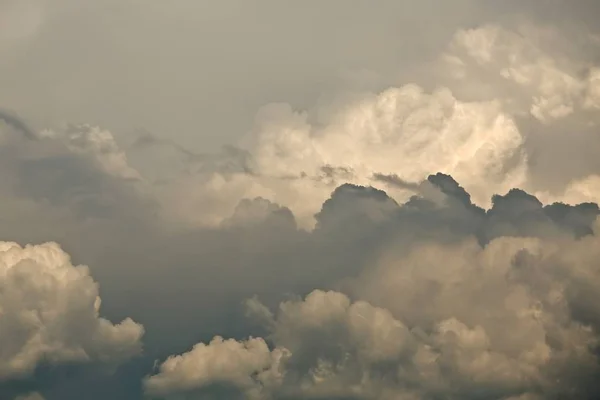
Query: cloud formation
(496, 120)
(557, 86)
(366, 270)
(496, 304)
(49, 310)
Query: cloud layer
(406, 209)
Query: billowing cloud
(556, 85)
(490, 125)
(296, 157)
(367, 274)
(49, 311)
(507, 319)
(403, 130)
(221, 361)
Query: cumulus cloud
(49, 311)
(479, 125)
(221, 361)
(556, 85)
(296, 157)
(376, 279)
(509, 317)
(403, 130)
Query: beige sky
(198, 71)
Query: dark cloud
(193, 283)
(15, 122)
(358, 223)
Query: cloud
(67, 179)
(296, 158)
(220, 361)
(328, 209)
(403, 131)
(557, 85)
(100, 146)
(457, 320)
(17, 123)
(31, 396)
(260, 211)
(492, 123)
(49, 311)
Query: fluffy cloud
(557, 86)
(403, 130)
(49, 311)
(221, 361)
(510, 319)
(479, 126)
(427, 289)
(296, 158)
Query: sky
(266, 200)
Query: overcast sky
(198, 71)
(271, 200)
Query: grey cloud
(396, 181)
(422, 326)
(194, 280)
(17, 123)
(260, 211)
(355, 225)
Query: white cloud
(469, 131)
(297, 158)
(49, 311)
(247, 365)
(402, 130)
(552, 83)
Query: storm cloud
(308, 201)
